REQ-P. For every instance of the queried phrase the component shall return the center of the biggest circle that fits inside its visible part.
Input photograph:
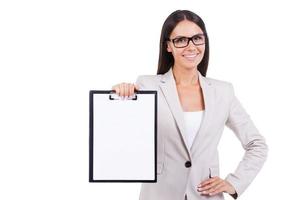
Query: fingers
(125, 89)
(136, 87)
(208, 181)
(212, 186)
(221, 187)
(116, 88)
(131, 90)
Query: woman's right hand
(125, 89)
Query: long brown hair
(166, 60)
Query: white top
(193, 121)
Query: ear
(169, 49)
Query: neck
(185, 77)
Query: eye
(181, 40)
(198, 38)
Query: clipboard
(122, 137)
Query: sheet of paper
(124, 138)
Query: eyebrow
(180, 36)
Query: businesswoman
(192, 113)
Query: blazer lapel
(168, 87)
(209, 100)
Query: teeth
(190, 56)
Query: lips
(190, 57)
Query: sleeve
(139, 82)
(253, 143)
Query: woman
(192, 113)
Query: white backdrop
(53, 52)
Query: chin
(190, 67)
(191, 64)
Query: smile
(190, 57)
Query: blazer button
(188, 164)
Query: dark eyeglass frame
(189, 39)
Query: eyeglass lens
(183, 41)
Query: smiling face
(190, 56)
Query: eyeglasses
(181, 42)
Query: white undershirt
(192, 124)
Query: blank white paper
(123, 138)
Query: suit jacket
(180, 169)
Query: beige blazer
(180, 169)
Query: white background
(53, 52)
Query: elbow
(258, 148)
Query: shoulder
(217, 82)
(148, 81)
(221, 86)
(148, 77)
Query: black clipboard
(122, 137)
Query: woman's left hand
(215, 185)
